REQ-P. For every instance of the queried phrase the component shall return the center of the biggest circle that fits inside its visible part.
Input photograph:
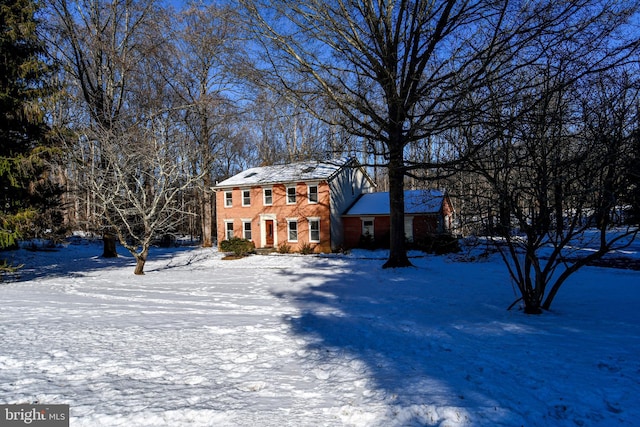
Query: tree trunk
(141, 259)
(532, 309)
(531, 299)
(397, 248)
(109, 245)
(207, 216)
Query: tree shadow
(408, 341)
(77, 259)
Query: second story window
(228, 199)
(291, 195)
(268, 196)
(313, 194)
(246, 197)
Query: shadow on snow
(424, 347)
(77, 260)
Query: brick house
(296, 204)
(427, 212)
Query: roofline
(264, 184)
(386, 214)
(445, 197)
(352, 162)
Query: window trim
(373, 225)
(408, 228)
(309, 201)
(243, 197)
(244, 229)
(226, 229)
(289, 222)
(295, 195)
(309, 221)
(228, 201)
(264, 196)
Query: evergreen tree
(26, 190)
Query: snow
(416, 202)
(291, 172)
(335, 340)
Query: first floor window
(314, 230)
(367, 228)
(408, 228)
(246, 229)
(228, 226)
(293, 230)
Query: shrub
(438, 244)
(366, 241)
(283, 248)
(380, 241)
(306, 249)
(238, 246)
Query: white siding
(345, 187)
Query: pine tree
(25, 190)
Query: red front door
(268, 224)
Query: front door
(268, 224)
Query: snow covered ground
(286, 340)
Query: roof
(415, 202)
(292, 172)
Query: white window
(228, 199)
(292, 227)
(313, 193)
(367, 227)
(267, 194)
(408, 228)
(228, 229)
(246, 197)
(291, 195)
(246, 229)
(314, 229)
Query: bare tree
(100, 44)
(200, 71)
(140, 183)
(556, 175)
(404, 73)
(286, 132)
(128, 150)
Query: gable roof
(289, 173)
(415, 202)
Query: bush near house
(238, 246)
(438, 244)
(306, 249)
(283, 248)
(381, 241)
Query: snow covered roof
(415, 202)
(292, 172)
